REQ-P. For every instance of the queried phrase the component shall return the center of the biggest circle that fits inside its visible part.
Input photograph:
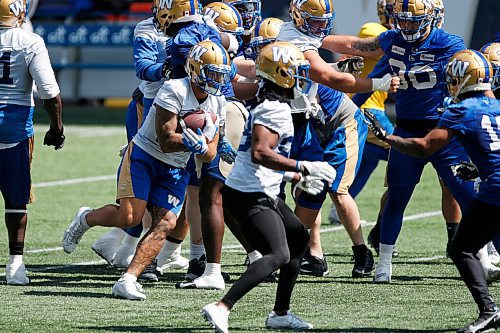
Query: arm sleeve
(41, 70)
(145, 56)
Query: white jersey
(177, 97)
(247, 176)
(146, 29)
(24, 58)
(290, 33)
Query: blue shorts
(133, 118)
(404, 171)
(144, 177)
(210, 170)
(15, 176)
(344, 152)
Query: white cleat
(107, 246)
(75, 231)
(128, 289)
(204, 282)
(383, 274)
(173, 262)
(333, 216)
(217, 316)
(123, 256)
(493, 254)
(290, 321)
(15, 274)
(492, 273)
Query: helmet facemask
(316, 26)
(303, 83)
(250, 12)
(412, 28)
(213, 78)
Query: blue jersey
(420, 67)
(330, 100)
(477, 124)
(190, 35)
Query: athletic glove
(388, 83)
(310, 184)
(195, 142)
(465, 170)
(320, 170)
(55, 138)
(122, 150)
(352, 65)
(211, 128)
(226, 151)
(374, 125)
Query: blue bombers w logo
(281, 53)
(16, 7)
(166, 4)
(213, 14)
(458, 68)
(197, 52)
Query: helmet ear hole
(283, 73)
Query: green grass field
(72, 293)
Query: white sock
(385, 256)
(254, 256)
(114, 233)
(196, 251)
(212, 269)
(83, 220)
(128, 277)
(16, 259)
(131, 240)
(170, 248)
(482, 254)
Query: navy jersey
(190, 35)
(477, 124)
(497, 38)
(420, 67)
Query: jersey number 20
(5, 62)
(410, 77)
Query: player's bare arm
(55, 134)
(365, 47)
(422, 147)
(264, 141)
(166, 125)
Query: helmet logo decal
(280, 53)
(166, 4)
(212, 14)
(16, 7)
(299, 3)
(458, 68)
(197, 52)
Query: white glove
(321, 170)
(195, 142)
(210, 129)
(317, 112)
(383, 84)
(122, 150)
(310, 184)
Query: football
(196, 119)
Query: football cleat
(128, 289)
(493, 254)
(124, 256)
(150, 273)
(312, 265)
(203, 282)
(217, 316)
(75, 231)
(487, 321)
(363, 261)
(15, 274)
(383, 273)
(492, 273)
(290, 321)
(107, 246)
(175, 261)
(197, 268)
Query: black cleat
(312, 265)
(487, 321)
(150, 273)
(363, 261)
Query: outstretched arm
(422, 147)
(365, 47)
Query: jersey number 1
(492, 132)
(5, 63)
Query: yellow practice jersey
(377, 99)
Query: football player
(153, 167)
(474, 119)
(252, 188)
(25, 60)
(417, 52)
(492, 52)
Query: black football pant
(273, 229)
(479, 224)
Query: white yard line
(74, 181)
(426, 259)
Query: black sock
(174, 240)
(16, 248)
(451, 229)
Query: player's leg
(451, 212)
(403, 174)
(170, 182)
(15, 186)
(474, 231)
(134, 181)
(372, 155)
